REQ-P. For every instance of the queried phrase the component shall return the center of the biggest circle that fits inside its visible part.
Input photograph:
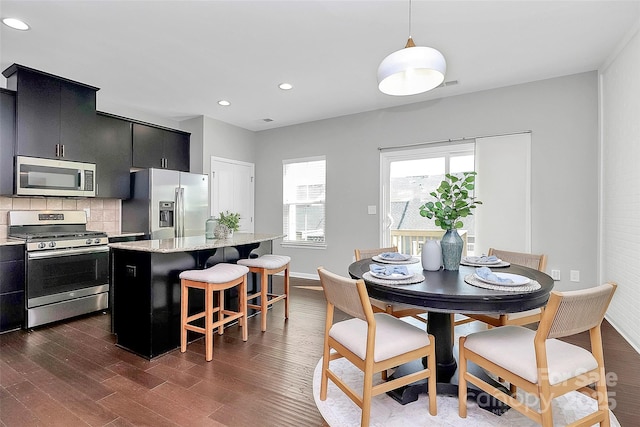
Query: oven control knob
(96, 241)
(42, 245)
(52, 244)
(88, 242)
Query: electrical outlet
(88, 212)
(574, 275)
(555, 274)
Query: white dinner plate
(476, 260)
(394, 276)
(398, 257)
(516, 278)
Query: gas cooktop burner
(50, 230)
(55, 235)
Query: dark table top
(446, 291)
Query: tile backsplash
(103, 214)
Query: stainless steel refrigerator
(166, 204)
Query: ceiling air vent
(267, 120)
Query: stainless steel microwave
(49, 177)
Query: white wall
(215, 138)
(562, 114)
(620, 207)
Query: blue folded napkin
(392, 255)
(388, 270)
(486, 274)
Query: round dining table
(444, 292)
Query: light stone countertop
(7, 242)
(195, 243)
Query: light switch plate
(371, 209)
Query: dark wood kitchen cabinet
(7, 139)
(11, 287)
(113, 151)
(156, 147)
(55, 117)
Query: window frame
(304, 243)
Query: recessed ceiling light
(15, 24)
(285, 86)
(224, 102)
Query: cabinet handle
(62, 150)
(57, 150)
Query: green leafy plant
(231, 220)
(452, 201)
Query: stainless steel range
(67, 265)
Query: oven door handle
(67, 252)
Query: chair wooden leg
(366, 397)
(242, 301)
(286, 292)
(462, 381)
(221, 311)
(184, 306)
(208, 321)
(431, 363)
(264, 299)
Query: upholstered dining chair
(535, 261)
(372, 342)
(395, 309)
(540, 364)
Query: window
(303, 201)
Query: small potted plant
(452, 202)
(227, 223)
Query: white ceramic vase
(431, 255)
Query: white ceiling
(176, 59)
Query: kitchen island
(146, 287)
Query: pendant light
(412, 70)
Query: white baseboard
(301, 275)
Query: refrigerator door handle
(178, 213)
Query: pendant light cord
(410, 19)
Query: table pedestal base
(411, 392)
(439, 325)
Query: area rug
(339, 411)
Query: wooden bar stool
(212, 280)
(266, 265)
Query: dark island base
(146, 294)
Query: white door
(232, 189)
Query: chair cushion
(512, 348)
(393, 336)
(219, 273)
(268, 261)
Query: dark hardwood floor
(71, 374)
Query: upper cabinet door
(176, 151)
(77, 122)
(147, 146)
(37, 115)
(55, 117)
(7, 139)
(113, 148)
(155, 147)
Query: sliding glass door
(503, 184)
(408, 176)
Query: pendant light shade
(411, 70)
